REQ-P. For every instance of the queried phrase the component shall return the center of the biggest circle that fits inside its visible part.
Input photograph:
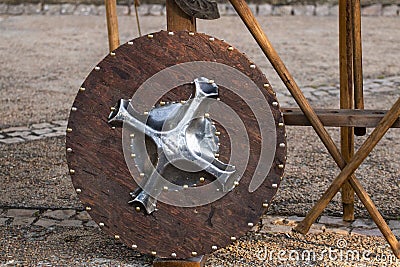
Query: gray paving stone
(83, 10)
(42, 131)
(3, 8)
(285, 10)
(60, 129)
(123, 10)
(59, 214)
(265, 10)
(334, 11)
(4, 221)
(60, 123)
(54, 134)
(1, 136)
(394, 224)
(83, 216)
(275, 229)
(32, 137)
(91, 224)
(372, 10)
(339, 230)
(15, 10)
(21, 213)
(32, 9)
(390, 11)
(222, 9)
(51, 9)
(230, 11)
(253, 8)
(67, 9)
(363, 223)
(46, 223)
(322, 10)
(330, 220)
(20, 134)
(304, 10)
(20, 221)
(155, 10)
(101, 10)
(143, 9)
(13, 140)
(15, 129)
(41, 125)
(71, 223)
(367, 232)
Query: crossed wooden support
(347, 169)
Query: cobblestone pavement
(320, 95)
(47, 218)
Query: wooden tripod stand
(351, 97)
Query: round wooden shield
(99, 169)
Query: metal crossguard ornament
(180, 136)
(201, 151)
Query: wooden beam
(177, 20)
(112, 24)
(338, 117)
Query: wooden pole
(346, 97)
(345, 174)
(357, 62)
(177, 20)
(255, 29)
(112, 24)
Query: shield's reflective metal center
(182, 137)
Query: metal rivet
(150, 36)
(202, 179)
(133, 155)
(230, 48)
(265, 205)
(112, 108)
(281, 166)
(69, 130)
(141, 174)
(74, 109)
(69, 150)
(183, 101)
(218, 99)
(165, 187)
(280, 124)
(281, 177)
(194, 253)
(97, 68)
(233, 238)
(252, 66)
(130, 43)
(211, 39)
(250, 224)
(153, 253)
(236, 183)
(275, 104)
(185, 186)
(171, 33)
(132, 135)
(88, 208)
(216, 155)
(101, 224)
(173, 255)
(217, 133)
(214, 247)
(191, 33)
(82, 89)
(78, 190)
(275, 185)
(162, 103)
(71, 171)
(113, 127)
(134, 246)
(210, 81)
(266, 85)
(207, 115)
(116, 236)
(112, 53)
(146, 113)
(282, 145)
(137, 208)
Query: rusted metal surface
(101, 176)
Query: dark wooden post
(346, 97)
(112, 24)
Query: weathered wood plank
(338, 117)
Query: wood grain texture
(101, 171)
(177, 20)
(112, 24)
(200, 9)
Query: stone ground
(44, 60)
